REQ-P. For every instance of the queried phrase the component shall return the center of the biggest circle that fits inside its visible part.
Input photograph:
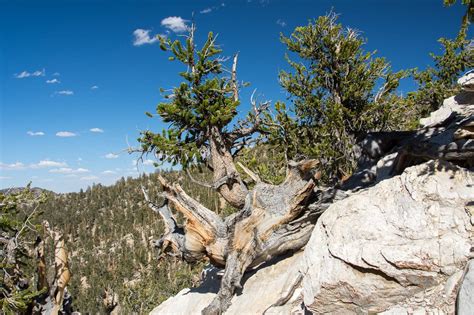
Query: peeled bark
(226, 179)
(274, 219)
(61, 267)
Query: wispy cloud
(48, 163)
(109, 172)
(175, 23)
(92, 177)
(281, 22)
(206, 10)
(65, 134)
(111, 156)
(94, 87)
(40, 164)
(35, 133)
(12, 166)
(142, 37)
(67, 170)
(214, 8)
(64, 92)
(263, 3)
(96, 130)
(56, 74)
(26, 74)
(53, 81)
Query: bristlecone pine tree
(339, 92)
(270, 220)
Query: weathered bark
(274, 219)
(52, 301)
(226, 179)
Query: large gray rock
(398, 247)
(459, 105)
(261, 289)
(465, 302)
(467, 82)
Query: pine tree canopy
(200, 108)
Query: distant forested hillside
(109, 232)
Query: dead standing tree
(272, 219)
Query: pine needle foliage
(203, 101)
(339, 92)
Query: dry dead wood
(274, 219)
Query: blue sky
(77, 76)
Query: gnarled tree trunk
(274, 219)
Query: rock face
(261, 289)
(465, 302)
(467, 82)
(460, 104)
(398, 246)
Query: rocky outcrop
(465, 301)
(400, 245)
(467, 82)
(459, 105)
(262, 288)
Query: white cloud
(56, 74)
(94, 87)
(67, 170)
(65, 134)
(65, 92)
(26, 74)
(111, 156)
(281, 22)
(92, 177)
(175, 23)
(48, 163)
(96, 130)
(13, 166)
(143, 37)
(35, 133)
(109, 172)
(206, 10)
(52, 81)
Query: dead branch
(61, 266)
(251, 174)
(235, 88)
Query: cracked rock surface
(399, 246)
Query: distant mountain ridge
(36, 190)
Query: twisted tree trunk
(274, 219)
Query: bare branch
(234, 78)
(252, 175)
(253, 122)
(163, 210)
(196, 181)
